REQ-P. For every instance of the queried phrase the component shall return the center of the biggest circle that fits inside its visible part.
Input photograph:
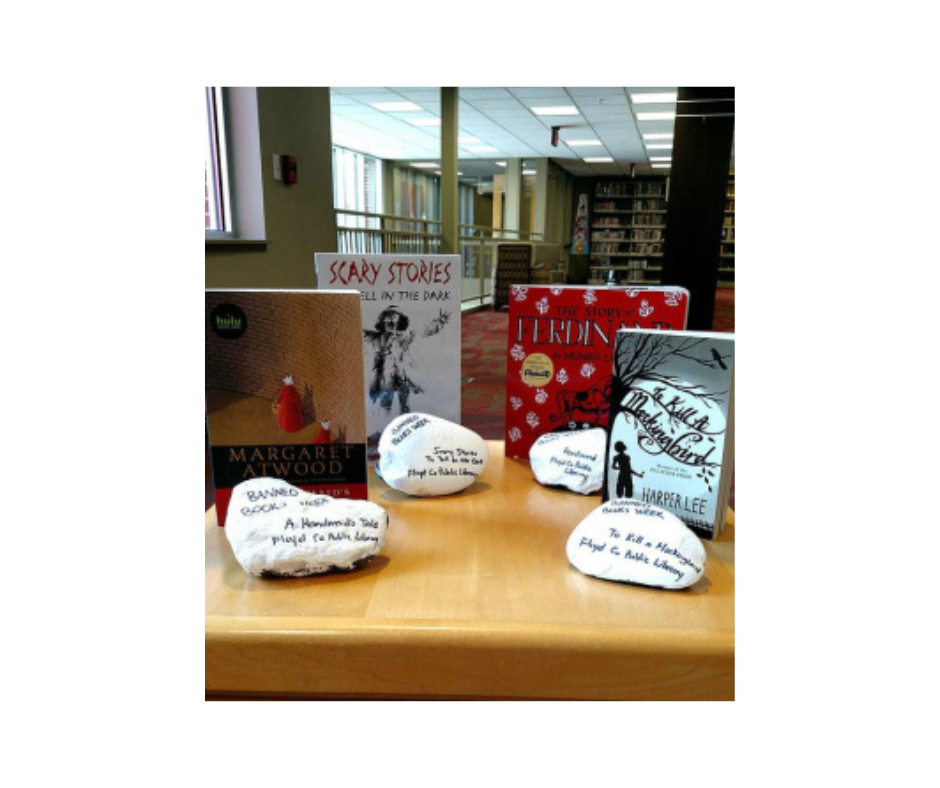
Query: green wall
(299, 219)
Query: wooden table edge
(339, 657)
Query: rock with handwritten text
(574, 460)
(278, 530)
(425, 455)
(635, 542)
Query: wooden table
(472, 597)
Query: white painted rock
(574, 460)
(425, 455)
(278, 530)
(636, 542)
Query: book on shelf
(409, 338)
(630, 189)
(284, 391)
(560, 353)
(670, 437)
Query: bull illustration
(590, 405)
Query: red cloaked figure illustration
(288, 408)
(323, 434)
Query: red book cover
(561, 348)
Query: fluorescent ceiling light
(396, 106)
(425, 164)
(569, 110)
(597, 159)
(425, 121)
(660, 158)
(663, 136)
(528, 172)
(653, 98)
(655, 115)
(661, 166)
(658, 146)
(574, 143)
(481, 149)
(500, 163)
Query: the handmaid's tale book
(284, 391)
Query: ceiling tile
(539, 93)
(475, 94)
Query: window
(234, 192)
(357, 186)
(218, 211)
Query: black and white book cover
(670, 435)
(410, 332)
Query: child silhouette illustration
(626, 473)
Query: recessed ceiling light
(658, 136)
(597, 159)
(481, 149)
(660, 158)
(655, 115)
(660, 146)
(425, 121)
(661, 166)
(425, 164)
(653, 98)
(396, 106)
(575, 143)
(528, 172)
(569, 110)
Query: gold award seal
(537, 370)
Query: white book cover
(671, 424)
(410, 333)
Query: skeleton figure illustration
(394, 361)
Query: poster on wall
(410, 332)
(580, 239)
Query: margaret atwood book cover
(284, 391)
(671, 426)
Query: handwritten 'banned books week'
(560, 352)
(671, 424)
(284, 391)
(410, 333)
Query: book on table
(410, 333)
(560, 352)
(284, 391)
(671, 424)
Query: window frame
(217, 165)
(236, 139)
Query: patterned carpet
(483, 362)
